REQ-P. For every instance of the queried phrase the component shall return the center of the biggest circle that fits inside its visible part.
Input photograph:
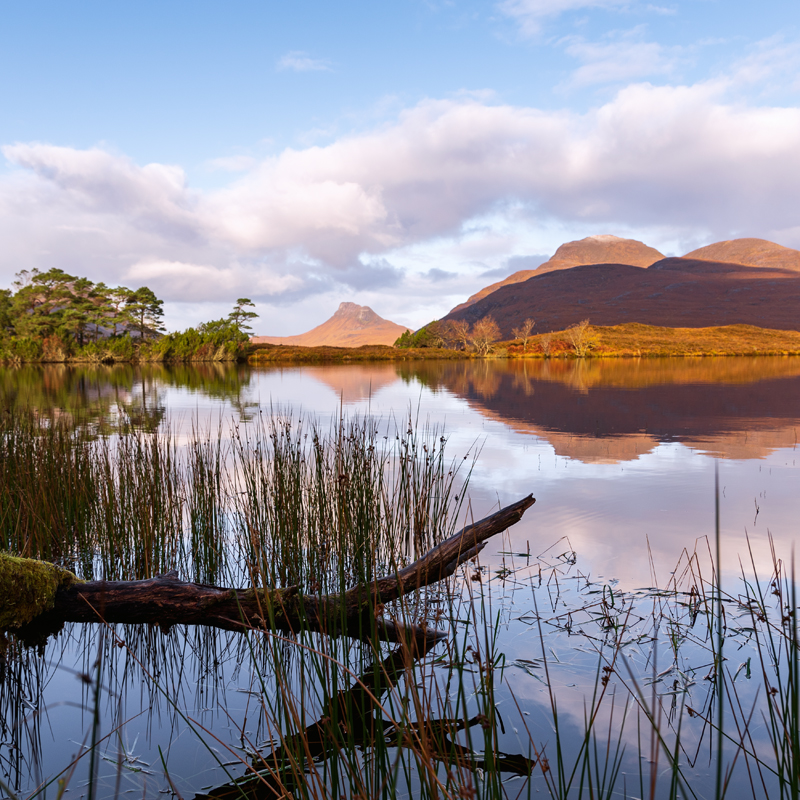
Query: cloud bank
(687, 159)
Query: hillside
(604, 249)
(673, 292)
(350, 326)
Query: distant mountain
(673, 292)
(603, 249)
(751, 253)
(351, 326)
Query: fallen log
(38, 598)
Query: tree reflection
(106, 399)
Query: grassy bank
(632, 340)
(291, 354)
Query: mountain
(673, 292)
(603, 249)
(351, 326)
(751, 253)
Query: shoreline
(631, 340)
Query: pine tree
(146, 310)
(240, 317)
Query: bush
(218, 340)
(430, 335)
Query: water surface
(620, 454)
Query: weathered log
(165, 600)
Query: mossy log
(38, 597)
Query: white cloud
(300, 61)
(530, 14)
(154, 196)
(620, 58)
(768, 64)
(189, 282)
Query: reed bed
(280, 503)
(688, 690)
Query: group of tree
(460, 335)
(480, 337)
(54, 303)
(219, 339)
(53, 310)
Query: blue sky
(396, 154)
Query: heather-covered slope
(674, 292)
(351, 326)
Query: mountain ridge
(597, 249)
(758, 284)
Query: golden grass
(635, 339)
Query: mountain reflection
(609, 410)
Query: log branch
(165, 600)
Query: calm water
(620, 455)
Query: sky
(398, 154)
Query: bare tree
(484, 333)
(459, 333)
(546, 341)
(582, 338)
(524, 332)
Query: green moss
(28, 588)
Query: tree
(240, 317)
(430, 335)
(78, 311)
(219, 331)
(459, 333)
(41, 299)
(405, 339)
(546, 341)
(523, 332)
(582, 338)
(146, 310)
(119, 315)
(6, 318)
(484, 333)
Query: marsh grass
(281, 502)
